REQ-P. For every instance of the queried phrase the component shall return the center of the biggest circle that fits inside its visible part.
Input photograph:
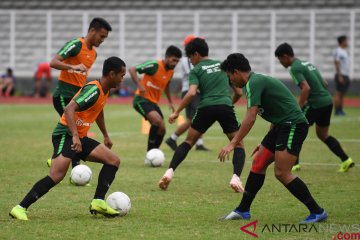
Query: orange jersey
(76, 52)
(85, 118)
(155, 79)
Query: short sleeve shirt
(319, 95)
(275, 101)
(212, 83)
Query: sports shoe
(18, 213)
(296, 168)
(171, 143)
(236, 215)
(313, 217)
(166, 179)
(201, 148)
(346, 165)
(48, 162)
(100, 206)
(236, 184)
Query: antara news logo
(340, 231)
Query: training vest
(155, 84)
(86, 57)
(85, 119)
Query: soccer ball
(155, 157)
(80, 175)
(120, 202)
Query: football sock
(174, 136)
(336, 148)
(179, 155)
(158, 140)
(75, 162)
(299, 189)
(37, 191)
(152, 137)
(106, 177)
(254, 183)
(238, 160)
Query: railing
(28, 36)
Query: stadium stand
(136, 37)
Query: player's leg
(95, 152)
(289, 142)
(322, 131)
(171, 141)
(229, 123)
(157, 129)
(262, 159)
(179, 155)
(201, 122)
(60, 164)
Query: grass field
(198, 195)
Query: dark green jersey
(275, 101)
(319, 95)
(85, 99)
(149, 67)
(212, 83)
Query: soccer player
(74, 60)
(190, 109)
(342, 80)
(315, 101)
(70, 140)
(156, 79)
(273, 101)
(215, 105)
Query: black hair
(341, 39)
(236, 61)
(99, 23)
(9, 72)
(198, 45)
(284, 49)
(173, 51)
(113, 64)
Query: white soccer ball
(120, 202)
(155, 157)
(81, 175)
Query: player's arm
(237, 94)
(305, 91)
(337, 68)
(100, 121)
(245, 128)
(184, 102)
(136, 79)
(70, 49)
(69, 112)
(168, 96)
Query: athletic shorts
(60, 103)
(342, 87)
(190, 109)
(62, 145)
(320, 116)
(144, 106)
(224, 114)
(286, 136)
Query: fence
(30, 36)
